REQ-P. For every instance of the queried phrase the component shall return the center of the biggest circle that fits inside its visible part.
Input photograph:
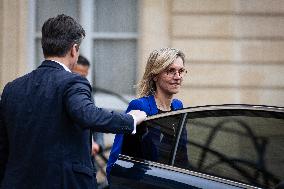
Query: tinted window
(242, 145)
(155, 140)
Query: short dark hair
(83, 61)
(59, 34)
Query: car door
(233, 146)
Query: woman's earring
(152, 90)
(155, 78)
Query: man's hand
(95, 148)
(140, 116)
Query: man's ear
(73, 50)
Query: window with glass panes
(111, 27)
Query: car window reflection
(246, 147)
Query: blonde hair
(157, 62)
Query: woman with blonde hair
(158, 62)
(162, 79)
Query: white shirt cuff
(134, 122)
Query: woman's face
(169, 80)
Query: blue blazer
(146, 104)
(45, 122)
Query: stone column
(154, 29)
(13, 40)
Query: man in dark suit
(46, 117)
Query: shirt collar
(63, 65)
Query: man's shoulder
(75, 82)
(76, 78)
(64, 77)
(16, 82)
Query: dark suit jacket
(45, 121)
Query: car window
(242, 145)
(154, 140)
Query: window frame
(87, 46)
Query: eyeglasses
(172, 72)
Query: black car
(224, 146)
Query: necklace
(162, 107)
